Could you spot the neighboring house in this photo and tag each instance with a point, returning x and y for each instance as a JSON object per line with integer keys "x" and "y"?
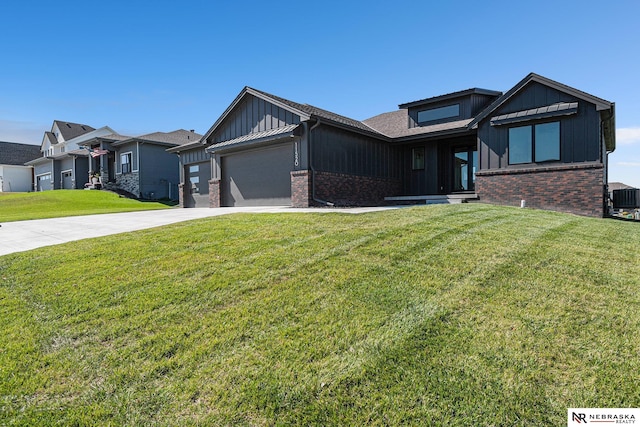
{"x": 542, "y": 142}
{"x": 140, "y": 165}
{"x": 64, "y": 163}
{"x": 14, "y": 175}
{"x": 72, "y": 153}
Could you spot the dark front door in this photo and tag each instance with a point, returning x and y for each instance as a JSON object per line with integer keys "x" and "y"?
{"x": 465, "y": 160}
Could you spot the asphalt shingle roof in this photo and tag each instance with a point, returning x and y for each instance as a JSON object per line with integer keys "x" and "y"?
{"x": 395, "y": 124}
{"x": 175, "y": 138}
{"x": 13, "y": 153}
{"x": 70, "y": 130}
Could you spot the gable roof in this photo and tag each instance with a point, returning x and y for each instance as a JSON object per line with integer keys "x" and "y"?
{"x": 600, "y": 103}
{"x": 13, "y": 153}
{"x": 606, "y": 108}
{"x": 49, "y": 136}
{"x": 70, "y": 130}
{"x": 305, "y": 111}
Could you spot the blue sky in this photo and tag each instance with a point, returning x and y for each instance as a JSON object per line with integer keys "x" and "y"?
{"x": 146, "y": 66}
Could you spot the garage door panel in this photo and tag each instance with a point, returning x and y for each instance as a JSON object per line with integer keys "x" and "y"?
{"x": 258, "y": 178}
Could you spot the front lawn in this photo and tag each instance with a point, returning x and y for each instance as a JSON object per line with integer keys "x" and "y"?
{"x": 61, "y": 203}
{"x": 439, "y": 315}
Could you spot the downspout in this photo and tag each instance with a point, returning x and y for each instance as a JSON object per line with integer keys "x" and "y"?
{"x": 313, "y": 169}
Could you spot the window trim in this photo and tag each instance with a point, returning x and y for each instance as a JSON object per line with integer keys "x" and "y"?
{"x": 532, "y": 148}
{"x": 130, "y": 162}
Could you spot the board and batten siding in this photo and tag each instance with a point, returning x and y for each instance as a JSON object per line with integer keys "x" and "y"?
{"x": 340, "y": 151}
{"x": 253, "y": 115}
{"x": 470, "y": 106}
{"x": 194, "y": 156}
{"x": 579, "y": 133}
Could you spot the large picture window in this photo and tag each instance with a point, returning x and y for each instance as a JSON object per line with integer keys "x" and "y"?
{"x": 534, "y": 143}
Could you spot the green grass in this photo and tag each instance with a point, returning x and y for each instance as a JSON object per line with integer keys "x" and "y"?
{"x": 61, "y": 203}
{"x": 440, "y": 315}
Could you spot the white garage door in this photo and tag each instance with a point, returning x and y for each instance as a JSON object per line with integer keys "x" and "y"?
{"x": 258, "y": 178}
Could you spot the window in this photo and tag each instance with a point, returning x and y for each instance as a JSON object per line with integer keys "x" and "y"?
{"x": 439, "y": 113}
{"x": 417, "y": 158}
{"x": 125, "y": 162}
{"x": 194, "y": 178}
{"x": 534, "y": 143}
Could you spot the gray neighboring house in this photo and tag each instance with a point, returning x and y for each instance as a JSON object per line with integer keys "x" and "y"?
{"x": 141, "y": 165}
{"x": 63, "y": 163}
{"x": 541, "y": 141}
{"x": 15, "y": 176}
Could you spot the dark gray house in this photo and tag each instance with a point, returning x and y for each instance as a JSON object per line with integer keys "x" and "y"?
{"x": 541, "y": 141}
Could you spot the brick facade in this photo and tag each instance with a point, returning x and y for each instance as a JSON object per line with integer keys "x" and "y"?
{"x": 577, "y": 188}
{"x": 214, "y": 193}
{"x": 355, "y": 190}
{"x": 301, "y": 189}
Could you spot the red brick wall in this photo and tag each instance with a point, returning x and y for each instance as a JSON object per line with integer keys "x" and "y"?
{"x": 301, "y": 189}
{"x": 577, "y": 189}
{"x": 355, "y": 190}
{"x": 214, "y": 193}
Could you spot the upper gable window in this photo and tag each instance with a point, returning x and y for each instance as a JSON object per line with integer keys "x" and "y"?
{"x": 439, "y": 113}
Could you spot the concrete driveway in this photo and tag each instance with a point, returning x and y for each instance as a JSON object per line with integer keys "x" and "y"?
{"x": 21, "y": 236}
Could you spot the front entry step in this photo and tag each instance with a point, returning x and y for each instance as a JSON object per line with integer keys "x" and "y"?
{"x": 435, "y": 200}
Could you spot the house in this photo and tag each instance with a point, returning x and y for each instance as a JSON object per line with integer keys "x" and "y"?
{"x": 140, "y": 166}
{"x": 14, "y": 175}
{"x": 540, "y": 142}
{"x": 72, "y": 153}
{"x": 63, "y": 163}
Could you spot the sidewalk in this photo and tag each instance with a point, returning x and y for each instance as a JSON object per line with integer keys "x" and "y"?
{"x": 21, "y": 236}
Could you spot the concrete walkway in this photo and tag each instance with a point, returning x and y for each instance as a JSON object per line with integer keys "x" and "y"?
{"x": 21, "y": 236}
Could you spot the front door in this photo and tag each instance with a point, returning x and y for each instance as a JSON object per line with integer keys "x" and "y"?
{"x": 465, "y": 160}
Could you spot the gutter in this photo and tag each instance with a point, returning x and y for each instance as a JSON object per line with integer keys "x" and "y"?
{"x": 313, "y": 169}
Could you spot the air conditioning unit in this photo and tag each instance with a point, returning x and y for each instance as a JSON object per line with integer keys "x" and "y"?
{"x": 628, "y": 198}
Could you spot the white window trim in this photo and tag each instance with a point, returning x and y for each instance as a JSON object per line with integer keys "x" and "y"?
{"x": 120, "y": 162}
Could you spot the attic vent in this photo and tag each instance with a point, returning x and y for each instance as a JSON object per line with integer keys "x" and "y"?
{"x": 68, "y": 125}
{"x": 82, "y": 127}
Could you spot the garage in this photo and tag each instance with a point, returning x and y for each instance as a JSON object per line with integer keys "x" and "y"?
{"x": 43, "y": 182}
{"x": 67, "y": 180}
{"x": 259, "y": 177}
